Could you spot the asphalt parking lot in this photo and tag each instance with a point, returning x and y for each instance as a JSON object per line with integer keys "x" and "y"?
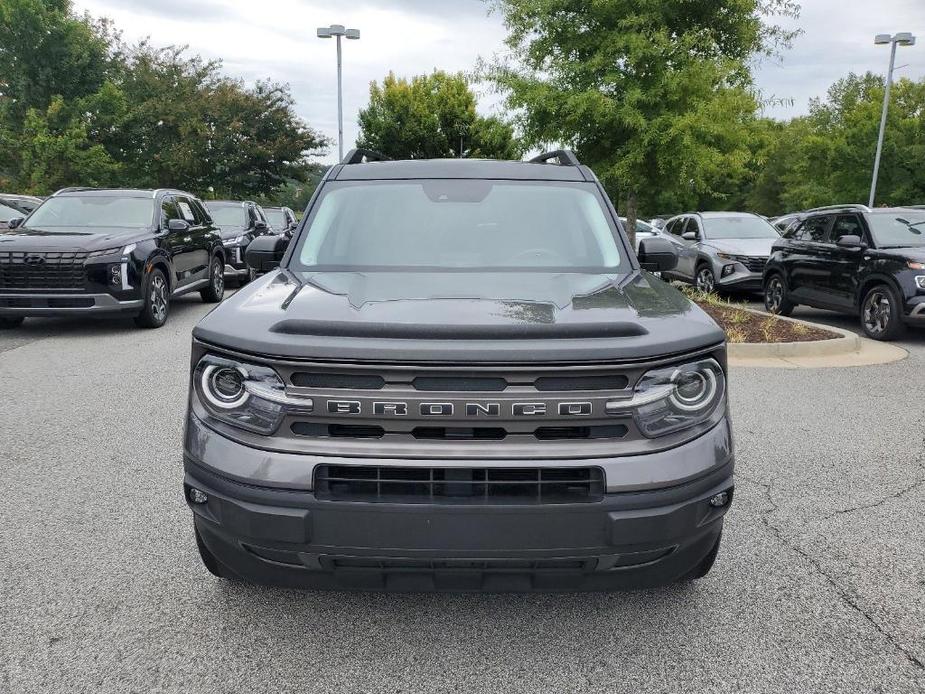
{"x": 819, "y": 586}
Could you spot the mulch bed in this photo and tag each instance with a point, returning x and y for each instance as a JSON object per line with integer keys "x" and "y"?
{"x": 745, "y": 326}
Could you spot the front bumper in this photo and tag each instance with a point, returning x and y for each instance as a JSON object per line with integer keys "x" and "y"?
{"x": 235, "y": 267}
{"x": 741, "y": 279}
{"x": 638, "y": 536}
{"x": 916, "y": 311}
{"x": 64, "y": 304}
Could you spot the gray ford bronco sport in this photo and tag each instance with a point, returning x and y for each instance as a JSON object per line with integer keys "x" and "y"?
{"x": 458, "y": 376}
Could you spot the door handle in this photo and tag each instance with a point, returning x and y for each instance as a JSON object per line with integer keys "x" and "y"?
{"x": 187, "y": 238}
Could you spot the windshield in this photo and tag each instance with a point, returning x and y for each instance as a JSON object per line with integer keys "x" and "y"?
{"x": 898, "y": 230}
{"x": 744, "y": 227}
{"x": 276, "y": 218}
{"x": 229, "y": 214}
{"x": 460, "y": 224}
{"x": 8, "y": 213}
{"x": 642, "y": 226}
{"x": 94, "y": 211}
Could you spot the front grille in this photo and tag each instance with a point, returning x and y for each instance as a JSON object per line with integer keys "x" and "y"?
{"x": 754, "y": 264}
{"x": 49, "y": 270}
{"x": 466, "y": 485}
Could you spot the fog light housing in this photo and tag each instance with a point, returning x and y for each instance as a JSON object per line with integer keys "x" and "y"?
{"x": 197, "y": 496}
{"x": 920, "y": 281}
{"x": 728, "y": 270}
{"x": 719, "y": 500}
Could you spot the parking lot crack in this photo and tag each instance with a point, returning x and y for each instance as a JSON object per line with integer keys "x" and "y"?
{"x": 919, "y": 466}
{"x": 846, "y": 598}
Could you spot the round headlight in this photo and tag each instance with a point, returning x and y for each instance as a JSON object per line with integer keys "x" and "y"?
{"x": 693, "y": 389}
{"x": 224, "y": 386}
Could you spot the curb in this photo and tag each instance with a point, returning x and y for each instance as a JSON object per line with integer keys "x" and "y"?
{"x": 847, "y": 342}
{"x": 849, "y": 349}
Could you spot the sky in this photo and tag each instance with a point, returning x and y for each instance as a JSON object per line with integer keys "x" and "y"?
{"x": 275, "y": 39}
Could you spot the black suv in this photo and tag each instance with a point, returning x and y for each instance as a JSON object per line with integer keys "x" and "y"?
{"x": 282, "y": 219}
{"x": 854, "y": 259}
{"x": 240, "y": 222}
{"x": 109, "y": 251}
{"x": 461, "y": 378}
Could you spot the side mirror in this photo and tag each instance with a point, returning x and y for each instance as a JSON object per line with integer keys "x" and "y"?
{"x": 265, "y": 252}
{"x": 15, "y": 222}
{"x": 657, "y": 255}
{"x": 690, "y": 236}
{"x": 178, "y": 225}
{"x": 850, "y": 241}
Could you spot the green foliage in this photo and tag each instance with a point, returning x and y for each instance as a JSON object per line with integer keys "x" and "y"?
{"x": 78, "y": 108}
{"x": 431, "y": 116}
{"x": 655, "y": 95}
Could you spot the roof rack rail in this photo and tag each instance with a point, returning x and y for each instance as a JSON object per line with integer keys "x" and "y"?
{"x": 361, "y": 156}
{"x": 563, "y": 157}
{"x": 72, "y": 189}
{"x": 846, "y": 206}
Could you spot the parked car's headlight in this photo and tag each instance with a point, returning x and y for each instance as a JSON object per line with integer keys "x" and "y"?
{"x": 236, "y": 241}
{"x": 244, "y": 395}
{"x": 677, "y": 397}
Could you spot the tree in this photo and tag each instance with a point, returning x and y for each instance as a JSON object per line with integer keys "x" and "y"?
{"x": 431, "y": 116}
{"x": 655, "y": 96}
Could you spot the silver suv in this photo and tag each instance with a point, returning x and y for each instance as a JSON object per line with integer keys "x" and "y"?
{"x": 720, "y": 250}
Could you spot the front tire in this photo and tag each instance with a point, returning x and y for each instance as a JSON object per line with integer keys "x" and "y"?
{"x": 881, "y": 314}
{"x": 216, "y": 289}
{"x": 705, "y": 280}
{"x": 775, "y": 296}
{"x": 157, "y": 301}
{"x": 11, "y": 322}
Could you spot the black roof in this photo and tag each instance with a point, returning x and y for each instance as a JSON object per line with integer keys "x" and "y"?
{"x": 460, "y": 168}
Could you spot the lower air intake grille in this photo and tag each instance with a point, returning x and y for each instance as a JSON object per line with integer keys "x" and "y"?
{"x": 563, "y": 485}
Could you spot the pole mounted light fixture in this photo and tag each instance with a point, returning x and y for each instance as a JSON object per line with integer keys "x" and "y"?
{"x": 903, "y": 38}
{"x": 338, "y": 31}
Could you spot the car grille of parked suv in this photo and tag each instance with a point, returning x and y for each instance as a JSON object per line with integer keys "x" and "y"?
{"x": 491, "y": 411}
{"x": 49, "y": 270}
{"x": 527, "y": 485}
{"x": 754, "y": 264}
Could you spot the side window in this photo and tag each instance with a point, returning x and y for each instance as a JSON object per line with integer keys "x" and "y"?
{"x": 186, "y": 210}
{"x": 846, "y": 225}
{"x": 169, "y": 210}
{"x": 202, "y": 215}
{"x": 814, "y": 229}
{"x": 692, "y": 225}
{"x": 675, "y": 226}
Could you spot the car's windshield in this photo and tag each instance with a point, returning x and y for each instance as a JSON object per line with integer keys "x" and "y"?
{"x": 8, "y": 213}
{"x": 738, "y": 227}
{"x": 229, "y": 214}
{"x": 276, "y": 218}
{"x": 460, "y": 224}
{"x": 642, "y": 226}
{"x": 94, "y": 211}
{"x": 897, "y": 230}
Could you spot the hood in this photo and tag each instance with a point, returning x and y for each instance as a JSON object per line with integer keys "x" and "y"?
{"x": 69, "y": 238}
{"x": 230, "y": 231}
{"x": 459, "y": 316}
{"x": 906, "y": 253}
{"x": 753, "y": 247}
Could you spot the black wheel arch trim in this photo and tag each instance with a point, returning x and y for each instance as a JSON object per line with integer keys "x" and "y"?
{"x": 871, "y": 281}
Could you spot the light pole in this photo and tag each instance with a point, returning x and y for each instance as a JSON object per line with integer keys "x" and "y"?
{"x": 338, "y": 30}
{"x": 903, "y": 38}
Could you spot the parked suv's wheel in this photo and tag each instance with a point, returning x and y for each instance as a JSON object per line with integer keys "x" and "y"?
{"x": 775, "y": 296}
{"x": 11, "y": 321}
{"x": 157, "y": 301}
{"x": 881, "y": 314}
{"x": 705, "y": 280}
{"x": 216, "y": 289}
